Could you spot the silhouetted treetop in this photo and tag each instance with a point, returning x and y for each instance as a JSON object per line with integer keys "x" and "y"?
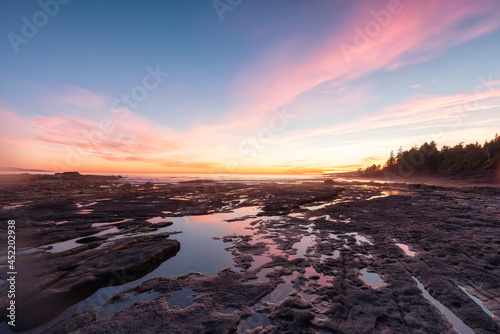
{"x": 429, "y": 160}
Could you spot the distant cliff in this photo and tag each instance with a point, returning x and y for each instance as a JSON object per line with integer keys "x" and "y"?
{"x": 57, "y": 177}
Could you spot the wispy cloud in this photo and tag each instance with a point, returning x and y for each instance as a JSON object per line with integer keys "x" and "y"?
{"x": 132, "y": 139}
{"x": 443, "y": 109}
{"x": 286, "y": 75}
{"x": 418, "y": 33}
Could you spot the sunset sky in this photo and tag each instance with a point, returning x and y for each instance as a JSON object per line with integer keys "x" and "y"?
{"x": 242, "y": 86}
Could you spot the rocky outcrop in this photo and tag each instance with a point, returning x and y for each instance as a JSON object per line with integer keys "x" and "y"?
{"x": 47, "y": 288}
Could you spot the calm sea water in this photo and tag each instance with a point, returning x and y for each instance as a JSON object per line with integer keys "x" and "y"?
{"x": 178, "y": 177}
{"x": 140, "y": 178}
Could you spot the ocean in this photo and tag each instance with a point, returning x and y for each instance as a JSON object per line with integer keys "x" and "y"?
{"x": 181, "y": 177}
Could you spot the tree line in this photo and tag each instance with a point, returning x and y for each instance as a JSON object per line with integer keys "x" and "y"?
{"x": 429, "y": 160}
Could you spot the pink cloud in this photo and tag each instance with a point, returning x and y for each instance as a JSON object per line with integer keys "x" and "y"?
{"x": 447, "y": 110}
{"x": 133, "y": 139}
{"x": 119, "y": 139}
{"x": 77, "y": 98}
{"x": 423, "y": 29}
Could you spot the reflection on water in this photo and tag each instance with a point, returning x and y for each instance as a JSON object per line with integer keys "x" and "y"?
{"x": 80, "y": 205}
{"x": 179, "y": 198}
{"x": 308, "y": 227}
{"x": 182, "y": 299}
{"x": 229, "y": 310}
{"x": 261, "y": 275}
{"x": 326, "y": 217}
{"x": 255, "y": 320}
{"x": 13, "y": 206}
{"x": 296, "y": 215}
{"x": 72, "y": 243}
{"x": 457, "y": 323}
{"x": 157, "y": 220}
{"x": 372, "y": 279}
{"x": 359, "y": 238}
{"x": 384, "y": 194}
{"x": 302, "y": 246}
{"x": 85, "y": 211}
{"x": 201, "y": 253}
{"x": 282, "y": 290}
{"x": 116, "y": 307}
{"x": 54, "y": 222}
{"x": 59, "y": 246}
{"x": 477, "y": 301}
{"x": 110, "y": 223}
{"x": 335, "y": 255}
{"x": 406, "y": 249}
{"x": 198, "y": 253}
{"x": 317, "y": 277}
{"x": 259, "y": 260}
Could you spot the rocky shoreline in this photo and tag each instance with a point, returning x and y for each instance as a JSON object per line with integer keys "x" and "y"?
{"x": 346, "y": 257}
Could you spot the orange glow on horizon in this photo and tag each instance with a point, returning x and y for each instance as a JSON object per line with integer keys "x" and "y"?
{"x": 62, "y": 130}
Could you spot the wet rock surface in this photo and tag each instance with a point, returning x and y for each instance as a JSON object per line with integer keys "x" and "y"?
{"x": 316, "y": 258}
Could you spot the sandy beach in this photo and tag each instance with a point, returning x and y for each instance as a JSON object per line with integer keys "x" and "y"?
{"x": 299, "y": 257}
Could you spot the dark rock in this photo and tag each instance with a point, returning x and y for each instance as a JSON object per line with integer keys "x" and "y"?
{"x": 72, "y": 324}
{"x": 123, "y": 262}
{"x": 89, "y": 240}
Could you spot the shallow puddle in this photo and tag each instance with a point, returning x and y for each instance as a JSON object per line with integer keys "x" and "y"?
{"x": 179, "y": 198}
{"x": 314, "y": 207}
{"x": 372, "y": 279}
{"x": 60, "y": 246}
{"x": 317, "y": 206}
{"x": 85, "y": 211}
{"x": 198, "y": 253}
{"x": 282, "y": 290}
{"x": 477, "y": 301}
{"x": 80, "y": 205}
{"x": 157, "y": 220}
{"x": 296, "y": 215}
{"x": 319, "y": 278}
{"x": 229, "y": 310}
{"x": 72, "y": 243}
{"x": 302, "y": 246}
{"x": 110, "y": 223}
{"x": 320, "y": 307}
{"x": 182, "y": 299}
{"x": 335, "y": 255}
{"x": 359, "y": 238}
{"x": 255, "y": 320}
{"x": 457, "y": 323}
{"x": 13, "y": 206}
{"x": 261, "y": 275}
{"x": 384, "y": 194}
{"x": 259, "y": 260}
{"x": 406, "y": 249}
{"x": 116, "y": 307}
{"x": 61, "y": 222}
{"x": 309, "y": 228}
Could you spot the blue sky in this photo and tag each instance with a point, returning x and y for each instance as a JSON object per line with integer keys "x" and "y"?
{"x": 216, "y": 110}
